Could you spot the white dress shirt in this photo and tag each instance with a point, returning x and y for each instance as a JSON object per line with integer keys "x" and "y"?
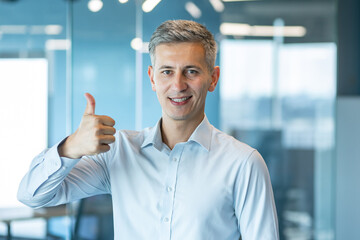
{"x": 210, "y": 187}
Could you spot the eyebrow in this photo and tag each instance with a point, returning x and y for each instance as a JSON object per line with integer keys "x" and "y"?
{"x": 192, "y": 66}
{"x": 165, "y": 67}
{"x": 171, "y": 67}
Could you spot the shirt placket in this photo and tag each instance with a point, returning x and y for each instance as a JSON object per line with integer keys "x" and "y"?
{"x": 169, "y": 192}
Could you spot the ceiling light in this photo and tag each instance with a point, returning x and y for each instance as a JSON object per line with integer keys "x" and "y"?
{"x": 95, "y": 5}
{"x": 193, "y": 10}
{"x": 217, "y": 5}
{"x": 123, "y": 1}
{"x": 239, "y": 29}
{"x": 47, "y": 29}
{"x": 53, "y": 29}
{"x": 149, "y": 5}
{"x": 136, "y": 43}
{"x": 286, "y": 31}
{"x": 57, "y": 44}
{"x": 13, "y": 29}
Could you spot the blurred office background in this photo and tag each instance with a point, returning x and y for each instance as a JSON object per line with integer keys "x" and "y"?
{"x": 289, "y": 86}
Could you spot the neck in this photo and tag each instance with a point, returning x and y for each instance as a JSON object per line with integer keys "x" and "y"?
{"x": 176, "y": 131}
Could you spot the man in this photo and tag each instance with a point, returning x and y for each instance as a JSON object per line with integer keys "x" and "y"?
{"x": 182, "y": 179}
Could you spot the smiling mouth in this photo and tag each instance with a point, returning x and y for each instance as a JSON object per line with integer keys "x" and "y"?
{"x": 180, "y": 100}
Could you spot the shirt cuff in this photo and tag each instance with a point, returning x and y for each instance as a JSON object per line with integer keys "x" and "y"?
{"x": 57, "y": 162}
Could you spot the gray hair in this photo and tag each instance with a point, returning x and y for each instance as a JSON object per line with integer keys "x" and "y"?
{"x": 177, "y": 31}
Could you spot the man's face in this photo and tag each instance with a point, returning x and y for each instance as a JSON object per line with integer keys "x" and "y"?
{"x": 181, "y": 79}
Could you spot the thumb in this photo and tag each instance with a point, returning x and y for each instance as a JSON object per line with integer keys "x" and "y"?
{"x": 90, "y": 104}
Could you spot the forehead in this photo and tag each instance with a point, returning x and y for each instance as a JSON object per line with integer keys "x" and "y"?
{"x": 178, "y": 52}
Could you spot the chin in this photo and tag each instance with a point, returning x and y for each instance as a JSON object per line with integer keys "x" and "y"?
{"x": 179, "y": 118}
{"x": 184, "y": 117}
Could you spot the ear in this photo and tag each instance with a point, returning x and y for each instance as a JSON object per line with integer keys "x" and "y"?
{"x": 151, "y": 76}
{"x": 214, "y": 78}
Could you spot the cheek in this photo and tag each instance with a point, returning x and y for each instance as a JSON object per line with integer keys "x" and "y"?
{"x": 161, "y": 87}
{"x": 160, "y": 91}
{"x": 203, "y": 89}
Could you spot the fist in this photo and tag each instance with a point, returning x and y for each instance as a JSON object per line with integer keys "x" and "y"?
{"x": 93, "y": 136}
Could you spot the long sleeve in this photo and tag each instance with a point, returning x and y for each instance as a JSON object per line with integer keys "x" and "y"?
{"x": 254, "y": 201}
{"x": 52, "y": 180}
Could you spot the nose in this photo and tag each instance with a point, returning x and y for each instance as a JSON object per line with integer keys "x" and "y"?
{"x": 179, "y": 82}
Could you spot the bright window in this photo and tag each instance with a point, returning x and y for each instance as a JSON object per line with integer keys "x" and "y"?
{"x": 23, "y": 121}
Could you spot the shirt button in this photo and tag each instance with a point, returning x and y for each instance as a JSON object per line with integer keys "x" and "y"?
{"x": 175, "y": 159}
{"x": 169, "y": 189}
{"x": 166, "y": 220}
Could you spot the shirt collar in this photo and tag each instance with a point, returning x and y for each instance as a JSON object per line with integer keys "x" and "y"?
{"x": 201, "y": 135}
{"x": 154, "y": 137}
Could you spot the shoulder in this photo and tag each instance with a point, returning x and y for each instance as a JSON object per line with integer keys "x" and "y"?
{"x": 126, "y": 142}
{"x": 229, "y": 149}
{"x": 228, "y": 145}
{"x": 131, "y": 136}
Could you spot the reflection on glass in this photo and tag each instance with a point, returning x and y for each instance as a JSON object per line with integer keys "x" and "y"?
{"x": 290, "y": 120}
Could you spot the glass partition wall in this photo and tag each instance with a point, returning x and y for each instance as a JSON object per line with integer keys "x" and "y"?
{"x": 33, "y": 57}
{"x": 276, "y": 93}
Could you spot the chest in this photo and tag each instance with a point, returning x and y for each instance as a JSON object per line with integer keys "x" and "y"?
{"x": 182, "y": 183}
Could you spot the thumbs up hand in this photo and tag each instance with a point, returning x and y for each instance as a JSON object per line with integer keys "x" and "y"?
{"x": 93, "y": 136}
{"x": 90, "y": 104}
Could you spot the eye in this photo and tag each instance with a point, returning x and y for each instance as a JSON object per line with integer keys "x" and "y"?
{"x": 192, "y": 72}
{"x": 166, "y": 72}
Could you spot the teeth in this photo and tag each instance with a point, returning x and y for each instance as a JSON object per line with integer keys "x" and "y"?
{"x": 179, "y": 99}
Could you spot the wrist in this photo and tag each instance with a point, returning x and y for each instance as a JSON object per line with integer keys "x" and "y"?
{"x": 65, "y": 150}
